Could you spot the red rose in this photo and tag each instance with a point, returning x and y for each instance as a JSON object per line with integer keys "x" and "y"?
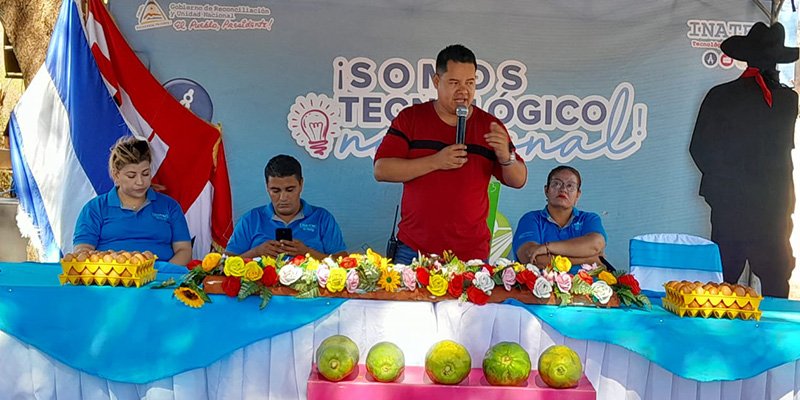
{"x": 270, "y": 277}
{"x": 194, "y": 263}
{"x": 631, "y": 282}
{"x": 231, "y": 285}
{"x": 469, "y": 276}
{"x": 477, "y": 296}
{"x": 423, "y": 277}
{"x": 298, "y": 259}
{"x": 348, "y": 262}
{"x": 585, "y": 277}
{"x": 527, "y": 277}
{"x": 489, "y": 268}
{"x": 456, "y": 285}
{"x": 247, "y": 260}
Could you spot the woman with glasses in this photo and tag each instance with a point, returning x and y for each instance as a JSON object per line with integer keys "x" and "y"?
{"x": 560, "y": 228}
{"x": 132, "y": 216}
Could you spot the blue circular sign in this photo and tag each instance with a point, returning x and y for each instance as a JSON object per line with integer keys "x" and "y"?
{"x": 192, "y": 96}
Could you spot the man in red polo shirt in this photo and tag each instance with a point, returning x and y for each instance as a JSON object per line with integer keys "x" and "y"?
{"x": 445, "y": 202}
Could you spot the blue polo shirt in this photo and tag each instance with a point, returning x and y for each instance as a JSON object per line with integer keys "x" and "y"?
{"x": 314, "y": 226}
{"x": 104, "y": 224}
{"x": 537, "y": 226}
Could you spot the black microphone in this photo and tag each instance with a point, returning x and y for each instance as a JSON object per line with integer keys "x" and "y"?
{"x": 461, "y": 126}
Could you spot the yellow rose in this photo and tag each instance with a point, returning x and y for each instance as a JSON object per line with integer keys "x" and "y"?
{"x": 234, "y": 266}
{"x": 336, "y": 280}
{"x": 518, "y": 267}
{"x": 437, "y": 285}
{"x": 311, "y": 263}
{"x": 253, "y": 271}
{"x": 210, "y": 261}
{"x": 268, "y": 261}
{"x": 562, "y": 264}
{"x": 607, "y": 277}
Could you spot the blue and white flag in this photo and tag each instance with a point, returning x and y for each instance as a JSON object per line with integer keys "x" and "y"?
{"x": 61, "y": 132}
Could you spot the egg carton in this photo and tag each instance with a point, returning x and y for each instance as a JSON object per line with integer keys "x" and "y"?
{"x": 107, "y": 273}
{"x": 715, "y": 300}
{"x": 713, "y": 312}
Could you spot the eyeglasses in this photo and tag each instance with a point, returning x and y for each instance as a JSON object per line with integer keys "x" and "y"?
{"x": 569, "y": 187}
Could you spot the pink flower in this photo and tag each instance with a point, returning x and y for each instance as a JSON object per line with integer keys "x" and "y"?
{"x": 564, "y": 282}
{"x": 322, "y": 274}
{"x": 509, "y": 278}
{"x": 409, "y": 279}
{"x": 352, "y": 281}
{"x": 589, "y": 267}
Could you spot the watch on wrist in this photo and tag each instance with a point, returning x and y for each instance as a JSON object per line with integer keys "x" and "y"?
{"x": 512, "y": 158}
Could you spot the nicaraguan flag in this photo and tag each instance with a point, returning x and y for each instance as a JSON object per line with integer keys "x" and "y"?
{"x": 61, "y": 132}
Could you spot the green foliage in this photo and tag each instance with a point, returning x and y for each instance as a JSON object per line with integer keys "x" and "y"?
{"x": 200, "y": 292}
{"x": 368, "y": 276}
{"x": 266, "y": 296}
{"x": 166, "y": 284}
{"x": 580, "y": 287}
{"x": 564, "y": 298}
{"x": 308, "y": 294}
{"x": 248, "y": 288}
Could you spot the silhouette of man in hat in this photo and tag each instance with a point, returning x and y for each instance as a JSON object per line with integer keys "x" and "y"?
{"x": 742, "y": 144}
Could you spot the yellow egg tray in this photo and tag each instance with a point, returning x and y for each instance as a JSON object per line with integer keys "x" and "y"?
{"x": 715, "y": 300}
{"x": 107, "y": 273}
{"x": 706, "y": 312}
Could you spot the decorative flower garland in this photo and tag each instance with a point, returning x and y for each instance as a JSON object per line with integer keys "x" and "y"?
{"x": 471, "y": 281}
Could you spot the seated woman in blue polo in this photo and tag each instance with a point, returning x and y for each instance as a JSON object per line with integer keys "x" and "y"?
{"x": 313, "y": 229}
{"x": 560, "y": 228}
{"x": 132, "y": 216}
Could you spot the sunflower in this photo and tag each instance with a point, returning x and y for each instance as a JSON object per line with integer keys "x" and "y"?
{"x": 389, "y": 280}
{"x": 189, "y": 297}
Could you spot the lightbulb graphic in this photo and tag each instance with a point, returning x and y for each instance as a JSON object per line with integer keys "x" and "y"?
{"x": 314, "y": 122}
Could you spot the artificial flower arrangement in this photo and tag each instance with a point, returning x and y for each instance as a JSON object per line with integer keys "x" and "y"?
{"x": 427, "y": 278}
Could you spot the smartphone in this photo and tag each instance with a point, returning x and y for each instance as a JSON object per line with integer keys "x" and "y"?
{"x": 283, "y": 234}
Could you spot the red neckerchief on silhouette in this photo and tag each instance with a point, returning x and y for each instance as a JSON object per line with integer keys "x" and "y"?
{"x": 753, "y": 72}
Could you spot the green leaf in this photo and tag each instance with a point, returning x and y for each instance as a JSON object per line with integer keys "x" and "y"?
{"x": 196, "y": 288}
{"x": 564, "y": 298}
{"x": 309, "y": 294}
{"x": 266, "y": 296}
{"x": 248, "y": 288}
{"x": 166, "y": 284}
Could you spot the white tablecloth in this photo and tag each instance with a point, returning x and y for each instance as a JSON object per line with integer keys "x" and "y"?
{"x": 277, "y": 368}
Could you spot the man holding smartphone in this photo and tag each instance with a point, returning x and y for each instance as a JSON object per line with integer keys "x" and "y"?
{"x": 288, "y": 224}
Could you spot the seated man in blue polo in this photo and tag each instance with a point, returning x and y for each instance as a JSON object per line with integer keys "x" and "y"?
{"x": 560, "y": 228}
{"x": 132, "y": 216}
{"x": 314, "y": 230}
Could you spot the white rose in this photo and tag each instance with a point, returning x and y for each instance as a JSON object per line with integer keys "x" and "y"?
{"x": 483, "y": 281}
{"x": 322, "y": 274}
{"x": 542, "y": 288}
{"x": 534, "y": 269}
{"x": 503, "y": 262}
{"x": 602, "y": 291}
{"x": 474, "y": 262}
{"x": 329, "y": 262}
{"x": 289, "y": 274}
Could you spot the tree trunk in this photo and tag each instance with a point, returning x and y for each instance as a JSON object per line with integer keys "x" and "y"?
{"x": 28, "y": 25}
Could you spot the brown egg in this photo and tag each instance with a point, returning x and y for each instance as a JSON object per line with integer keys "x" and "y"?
{"x": 724, "y": 289}
{"x": 752, "y": 292}
{"x": 739, "y": 291}
{"x": 709, "y": 285}
{"x": 734, "y": 306}
{"x": 126, "y": 254}
{"x": 686, "y": 289}
{"x": 713, "y": 290}
{"x": 107, "y": 258}
{"x": 94, "y": 258}
{"x": 148, "y": 254}
{"x": 68, "y": 257}
{"x": 121, "y": 259}
{"x": 125, "y": 273}
{"x": 138, "y": 259}
{"x": 699, "y": 290}
{"x": 748, "y": 307}
{"x": 694, "y": 304}
{"x": 82, "y": 256}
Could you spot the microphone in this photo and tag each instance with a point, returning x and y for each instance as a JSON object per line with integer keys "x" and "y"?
{"x": 461, "y": 126}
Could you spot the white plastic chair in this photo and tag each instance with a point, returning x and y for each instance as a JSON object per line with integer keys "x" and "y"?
{"x": 658, "y": 258}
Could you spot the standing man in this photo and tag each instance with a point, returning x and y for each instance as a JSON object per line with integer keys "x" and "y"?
{"x": 560, "y": 228}
{"x": 742, "y": 143}
{"x": 445, "y": 202}
{"x": 314, "y": 230}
